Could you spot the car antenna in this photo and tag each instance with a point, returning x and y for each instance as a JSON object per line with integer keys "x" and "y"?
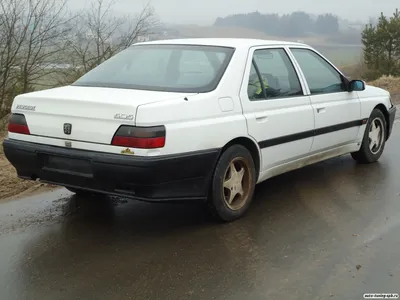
{"x": 186, "y": 98}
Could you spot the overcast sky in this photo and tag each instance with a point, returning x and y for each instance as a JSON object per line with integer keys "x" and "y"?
{"x": 204, "y": 12}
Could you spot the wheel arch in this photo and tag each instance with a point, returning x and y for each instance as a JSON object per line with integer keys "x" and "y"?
{"x": 385, "y": 112}
{"x": 250, "y": 145}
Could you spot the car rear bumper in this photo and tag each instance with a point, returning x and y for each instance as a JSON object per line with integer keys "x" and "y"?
{"x": 160, "y": 178}
{"x": 392, "y": 116}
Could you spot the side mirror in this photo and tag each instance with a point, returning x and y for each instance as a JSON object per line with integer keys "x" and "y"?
{"x": 356, "y": 85}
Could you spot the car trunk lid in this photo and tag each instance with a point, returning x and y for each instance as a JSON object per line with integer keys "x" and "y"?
{"x": 88, "y": 114}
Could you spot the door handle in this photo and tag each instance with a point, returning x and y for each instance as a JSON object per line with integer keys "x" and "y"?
{"x": 321, "y": 110}
{"x": 261, "y": 118}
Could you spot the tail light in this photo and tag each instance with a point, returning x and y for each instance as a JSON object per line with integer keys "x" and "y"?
{"x": 17, "y": 124}
{"x": 139, "y": 137}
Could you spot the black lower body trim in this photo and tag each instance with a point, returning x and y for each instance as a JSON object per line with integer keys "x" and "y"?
{"x": 310, "y": 133}
{"x": 162, "y": 178}
{"x": 392, "y": 116}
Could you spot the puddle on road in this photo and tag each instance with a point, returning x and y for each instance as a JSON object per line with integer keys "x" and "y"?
{"x": 31, "y": 211}
{"x": 43, "y": 209}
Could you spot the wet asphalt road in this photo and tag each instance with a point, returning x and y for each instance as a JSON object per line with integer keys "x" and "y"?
{"x": 327, "y": 231}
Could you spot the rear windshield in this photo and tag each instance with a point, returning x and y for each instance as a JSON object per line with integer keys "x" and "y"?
{"x": 170, "y": 68}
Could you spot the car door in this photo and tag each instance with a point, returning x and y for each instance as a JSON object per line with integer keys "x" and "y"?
{"x": 337, "y": 112}
{"x": 278, "y": 113}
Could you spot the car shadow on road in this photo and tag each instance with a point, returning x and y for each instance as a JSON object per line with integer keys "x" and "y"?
{"x": 327, "y": 180}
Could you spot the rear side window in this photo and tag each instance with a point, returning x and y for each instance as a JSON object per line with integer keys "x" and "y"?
{"x": 171, "y": 68}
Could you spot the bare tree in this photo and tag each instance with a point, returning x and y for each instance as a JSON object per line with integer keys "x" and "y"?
{"x": 32, "y": 40}
{"x": 45, "y": 44}
{"x": 100, "y": 34}
{"x": 11, "y": 38}
{"x": 37, "y": 36}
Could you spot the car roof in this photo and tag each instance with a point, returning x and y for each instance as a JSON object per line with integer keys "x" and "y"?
{"x": 224, "y": 42}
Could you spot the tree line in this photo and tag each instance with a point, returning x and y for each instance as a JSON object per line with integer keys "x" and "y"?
{"x": 296, "y": 24}
{"x": 43, "y": 43}
{"x": 381, "y": 54}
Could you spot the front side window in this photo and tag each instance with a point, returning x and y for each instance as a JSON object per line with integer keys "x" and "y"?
{"x": 321, "y": 77}
{"x": 272, "y": 75}
{"x": 170, "y": 68}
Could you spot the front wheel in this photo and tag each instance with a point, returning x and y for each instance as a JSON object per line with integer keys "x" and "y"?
{"x": 233, "y": 184}
{"x": 374, "y": 139}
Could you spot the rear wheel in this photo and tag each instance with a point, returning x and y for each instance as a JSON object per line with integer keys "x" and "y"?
{"x": 233, "y": 184}
{"x": 374, "y": 139}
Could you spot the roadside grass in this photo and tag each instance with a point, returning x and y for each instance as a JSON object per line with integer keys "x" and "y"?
{"x": 391, "y": 84}
{"x": 2, "y": 137}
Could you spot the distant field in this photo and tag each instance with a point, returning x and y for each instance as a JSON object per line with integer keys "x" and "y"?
{"x": 338, "y": 54}
{"x": 50, "y": 80}
{"x": 341, "y": 55}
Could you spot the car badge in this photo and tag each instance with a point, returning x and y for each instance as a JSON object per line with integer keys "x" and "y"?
{"x": 67, "y": 128}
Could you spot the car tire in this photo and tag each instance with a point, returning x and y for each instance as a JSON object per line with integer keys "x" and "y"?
{"x": 233, "y": 184}
{"x": 374, "y": 139}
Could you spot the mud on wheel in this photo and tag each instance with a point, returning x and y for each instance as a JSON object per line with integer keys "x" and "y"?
{"x": 233, "y": 184}
{"x": 374, "y": 139}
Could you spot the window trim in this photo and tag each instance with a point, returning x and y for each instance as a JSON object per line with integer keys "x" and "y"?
{"x": 253, "y": 63}
{"x": 295, "y": 69}
{"x": 343, "y": 78}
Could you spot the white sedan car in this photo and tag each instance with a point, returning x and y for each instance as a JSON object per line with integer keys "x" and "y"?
{"x": 196, "y": 119}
